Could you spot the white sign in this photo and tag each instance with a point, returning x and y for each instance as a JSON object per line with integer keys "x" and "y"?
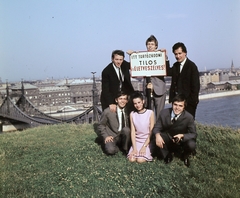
{"x": 148, "y": 64}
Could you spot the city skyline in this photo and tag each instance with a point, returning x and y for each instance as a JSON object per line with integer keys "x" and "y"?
{"x": 57, "y": 39}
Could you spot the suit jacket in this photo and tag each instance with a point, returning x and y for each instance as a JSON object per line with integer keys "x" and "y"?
{"x": 159, "y": 86}
{"x": 109, "y": 123}
{"x": 111, "y": 82}
{"x": 183, "y": 125}
{"x": 187, "y": 82}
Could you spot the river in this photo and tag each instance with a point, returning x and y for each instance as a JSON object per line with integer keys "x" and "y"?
{"x": 221, "y": 111}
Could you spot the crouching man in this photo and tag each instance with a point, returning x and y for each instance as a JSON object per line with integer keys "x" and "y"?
{"x": 175, "y": 131}
{"x": 114, "y": 127}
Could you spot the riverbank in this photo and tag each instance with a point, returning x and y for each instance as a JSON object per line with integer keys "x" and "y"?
{"x": 219, "y": 94}
{"x": 214, "y": 95}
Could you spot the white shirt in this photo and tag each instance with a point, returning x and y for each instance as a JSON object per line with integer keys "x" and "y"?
{"x": 119, "y": 113}
{"x": 117, "y": 71}
{"x": 174, "y": 116}
{"x": 182, "y": 64}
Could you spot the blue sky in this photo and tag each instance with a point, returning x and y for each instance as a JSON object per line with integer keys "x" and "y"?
{"x": 42, "y": 39}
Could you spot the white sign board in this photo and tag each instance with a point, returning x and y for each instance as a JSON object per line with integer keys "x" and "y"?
{"x": 148, "y": 64}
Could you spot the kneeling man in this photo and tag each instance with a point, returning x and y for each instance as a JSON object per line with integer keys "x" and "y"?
{"x": 175, "y": 131}
{"x": 114, "y": 127}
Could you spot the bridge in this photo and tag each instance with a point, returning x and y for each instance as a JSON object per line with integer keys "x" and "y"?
{"x": 24, "y": 113}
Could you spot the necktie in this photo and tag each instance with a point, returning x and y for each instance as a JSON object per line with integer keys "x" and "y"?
{"x": 179, "y": 68}
{"x": 174, "y": 119}
{"x": 123, "y": 120}
{"x": 120, "y": 79}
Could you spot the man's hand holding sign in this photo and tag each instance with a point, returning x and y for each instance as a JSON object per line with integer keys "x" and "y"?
{"x": 146, "y": 64}
{"x": 152, "y": 65}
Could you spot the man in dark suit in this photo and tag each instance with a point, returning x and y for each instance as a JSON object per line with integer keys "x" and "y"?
{"x": 115, "y": 78}
{"x": 185, "y": 78}
{"x": 175, "y": 131}
{"x": 114, "y": 126}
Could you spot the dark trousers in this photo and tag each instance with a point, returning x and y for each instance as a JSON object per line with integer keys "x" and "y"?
{"x": 191, "y": 109}
{"x": 120, "y": 142}
{"x": 184, "y": 148}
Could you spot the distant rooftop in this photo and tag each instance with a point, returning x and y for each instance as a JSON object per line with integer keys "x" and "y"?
{"x": 74, "y": 82}
{"x": 25, "y": 85}
{"x": 233, "y": 82}
{"x": 48, "y": 89}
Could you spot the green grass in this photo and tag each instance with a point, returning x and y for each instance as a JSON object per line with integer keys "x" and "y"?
{"x": 64, "y": 161}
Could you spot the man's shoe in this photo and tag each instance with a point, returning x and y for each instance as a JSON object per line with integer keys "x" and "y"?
{"x": 194, "y": 152}
{"x": 168, "y": 159}
{"x": 186, "y": 162}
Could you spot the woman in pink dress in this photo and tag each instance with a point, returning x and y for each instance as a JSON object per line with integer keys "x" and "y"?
{"x": 142, "y": 122}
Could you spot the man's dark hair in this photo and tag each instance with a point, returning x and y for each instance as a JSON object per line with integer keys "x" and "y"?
{"x": 177, "y": 45}
{"x": 152, "y": 38}
{"x": 121, "y": 93}
{"x": 118, "y": 52}
{"x": 180, "y": 98}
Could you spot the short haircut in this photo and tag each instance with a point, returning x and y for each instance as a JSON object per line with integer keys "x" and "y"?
{"x": 152, "y": 38}
{"x": 121, "y": 93}
{"x": 180, "y": 98}
{"x": 118, "y": 52}
{"x": 178, "y": 45}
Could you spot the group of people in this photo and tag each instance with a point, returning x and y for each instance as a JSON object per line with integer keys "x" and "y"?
{"x": 139, "y": 132}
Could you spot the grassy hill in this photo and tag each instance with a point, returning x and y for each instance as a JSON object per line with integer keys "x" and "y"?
{"x": 64, "y": 161}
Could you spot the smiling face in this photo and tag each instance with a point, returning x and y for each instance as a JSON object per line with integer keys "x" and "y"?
{"x": 117, "y": 60}
{"x": 180, "y": 55}
{"x": 178, "y": 107}
{"x": 138, "y": 103}
{"x": 151, "y": 46}
{"x": 121, "y": 101}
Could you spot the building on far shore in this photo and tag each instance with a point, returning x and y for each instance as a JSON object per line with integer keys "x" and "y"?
{"x": 218, "y": 76}
{"x": 58, "y": 93}
{"x": 224, "y": 85}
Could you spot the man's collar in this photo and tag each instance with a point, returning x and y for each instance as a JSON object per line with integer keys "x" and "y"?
{"x": 174, "y": 115}
{"x": 120, "y": 109}
{"x": 182, "y": 63}
{"x": 115, "y": 66}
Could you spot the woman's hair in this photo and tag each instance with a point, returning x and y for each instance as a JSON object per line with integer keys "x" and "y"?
{"x": 136, "y": 94}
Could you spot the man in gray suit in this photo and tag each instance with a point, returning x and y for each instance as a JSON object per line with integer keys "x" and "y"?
{"x": 175, "y": 131}
{"x": 154, "y": 84}
{"x": 114, "y": 127}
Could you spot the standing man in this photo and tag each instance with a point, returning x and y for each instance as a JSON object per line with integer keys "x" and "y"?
{"x": 175, "y": 131}
{"x": 155, "y": 84}
{"x": 114, "y": 126}
{"x": 185, "y": 78}
{"x": 115, "y": 78}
